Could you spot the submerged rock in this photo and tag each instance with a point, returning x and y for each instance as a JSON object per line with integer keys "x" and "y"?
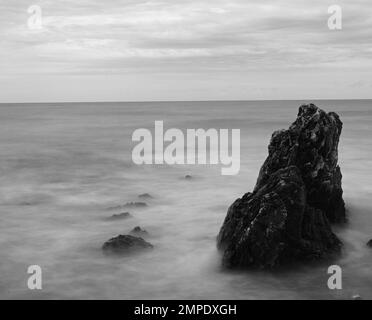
{"x": 125, "y": 244}
{"x": 298, "y": 193}
{"x": 135, "y": 204}
{"x": 129, "y": 205}
{"x": 138, "y": 230}
{"x": 25, "y": 203}
{"x": 145, "y": 196}
{"x": 188, "y": 177}
{"x": 369, "y": 243}
{"x": 118, "y": 216}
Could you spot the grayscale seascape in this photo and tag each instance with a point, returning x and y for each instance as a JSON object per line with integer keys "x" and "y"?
{"x": 63, "y": 165}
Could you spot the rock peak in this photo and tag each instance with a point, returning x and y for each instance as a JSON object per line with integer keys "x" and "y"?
{"x": 311, "y": 144}
{"x": 297, "y": 195}
{"x": 308, "y": 109}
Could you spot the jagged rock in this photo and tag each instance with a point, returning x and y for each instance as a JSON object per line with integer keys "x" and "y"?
{"x": 274, "y": 226}
{"x": 139, "y": 230}
{"x": 311, "y": 144}
{"x": 118, "y": 216}
{"x": 125, "y": 244}
{"x": 145, "y": 196}
{"x": 369, "y": 243}
{"x": 298, "y": 191}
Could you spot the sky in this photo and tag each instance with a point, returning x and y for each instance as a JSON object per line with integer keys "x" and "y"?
{"x": 134, "y": 50}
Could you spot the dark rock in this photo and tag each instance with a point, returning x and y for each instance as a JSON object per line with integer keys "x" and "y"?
{"x": 129, "y": 205}
{"x": 311, "y": 144}
{"x": 298, "y": 191}
{"x": 188, "y": 177}
{"x": 125, "y": 244}
{"x": 135, "y": 204}
{"x": 118, "y": 216}
{"x": 275, "y": 226}
{"x": 139, "y": 230}
{"x": 145, "y": 196}
{"x": 369, "y": 243}
{"x": 25, "y": 204}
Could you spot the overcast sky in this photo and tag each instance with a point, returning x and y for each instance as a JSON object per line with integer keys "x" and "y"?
{"x": 134, "y": 50}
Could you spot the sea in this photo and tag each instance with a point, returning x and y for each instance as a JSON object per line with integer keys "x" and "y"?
{"x": 63, "y": 165}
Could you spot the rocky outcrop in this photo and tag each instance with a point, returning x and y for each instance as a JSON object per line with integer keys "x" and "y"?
{"x": 125, "y": 244}
{"x": 311, "y": 144}
{"x": 298, "y": 193}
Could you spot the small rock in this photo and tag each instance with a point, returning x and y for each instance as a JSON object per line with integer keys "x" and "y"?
{"x": 369, "y": 243}
{"x": 125, "y": 244}
{"x": 138, "y": 230}
{"x": 188, "y": 177}
{"x": 122, "y": 215}
{"x": 357, "y": 297}
{"x": 135, "y": 204}
{"x": 25, "y": 204}
{"x": 145, "y": 196}
{"x": 129, "y": 205}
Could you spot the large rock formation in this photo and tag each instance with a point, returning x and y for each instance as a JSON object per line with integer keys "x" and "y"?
{"x": 298, "y": 193}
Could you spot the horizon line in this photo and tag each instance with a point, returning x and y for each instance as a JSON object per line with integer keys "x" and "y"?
{"x": 169, "y": 101}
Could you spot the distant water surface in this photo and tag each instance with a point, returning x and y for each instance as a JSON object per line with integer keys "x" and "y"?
{"x": 63, "y": 165}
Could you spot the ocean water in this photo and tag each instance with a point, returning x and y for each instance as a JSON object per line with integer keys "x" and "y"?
{"x": 63, "y": 165}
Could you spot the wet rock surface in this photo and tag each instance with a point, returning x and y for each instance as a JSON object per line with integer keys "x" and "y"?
{"x": 297, "y": 195}
{"x": 125, "y": 244}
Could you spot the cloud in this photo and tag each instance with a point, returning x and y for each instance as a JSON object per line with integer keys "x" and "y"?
{"x": 171, "y": 29}
{"x": 169, "y": 36}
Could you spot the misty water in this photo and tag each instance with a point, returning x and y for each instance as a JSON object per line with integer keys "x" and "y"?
{"x": 63, "y": 165}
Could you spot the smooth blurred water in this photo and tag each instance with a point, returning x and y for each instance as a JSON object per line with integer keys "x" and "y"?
{"x": 62, "y": 165}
